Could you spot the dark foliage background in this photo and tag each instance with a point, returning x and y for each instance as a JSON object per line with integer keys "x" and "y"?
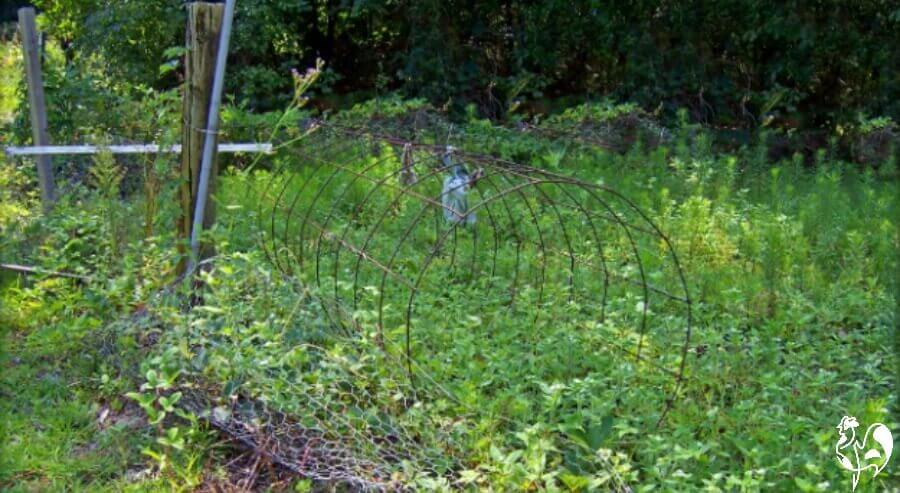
{"x": 797, "y": 63}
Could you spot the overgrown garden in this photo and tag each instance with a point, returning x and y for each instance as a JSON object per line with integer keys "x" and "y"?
{"x": 636, "y": 304}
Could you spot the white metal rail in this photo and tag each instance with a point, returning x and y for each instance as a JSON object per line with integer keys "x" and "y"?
{"x": 128, "y": 149}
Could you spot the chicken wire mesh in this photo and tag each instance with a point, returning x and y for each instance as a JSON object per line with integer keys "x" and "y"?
{"x": 336, "y": 431}
{"x": 460, "y": 287}
{"x": 457, "y": 285}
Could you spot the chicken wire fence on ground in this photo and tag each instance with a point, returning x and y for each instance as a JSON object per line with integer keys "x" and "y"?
{"x": 448, "y": 264}
{"x": 439, "y": 266}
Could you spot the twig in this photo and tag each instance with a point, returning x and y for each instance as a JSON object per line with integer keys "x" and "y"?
{"x": 24, "y": 269}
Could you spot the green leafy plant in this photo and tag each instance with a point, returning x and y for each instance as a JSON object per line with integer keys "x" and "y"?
{"x": 791, "y": 288}
{"x": 107, "y": 177}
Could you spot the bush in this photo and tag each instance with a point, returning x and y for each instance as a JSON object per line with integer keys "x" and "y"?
{"x": 800, "y": 64}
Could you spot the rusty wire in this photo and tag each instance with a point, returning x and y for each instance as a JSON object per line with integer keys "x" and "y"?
{"x": 339, "y": 434}
{"x": 356, "y": 214}
{"x": 504, "y": 182}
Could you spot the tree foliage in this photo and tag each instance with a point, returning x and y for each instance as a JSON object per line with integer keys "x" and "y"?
{"x": 798, "y": 63}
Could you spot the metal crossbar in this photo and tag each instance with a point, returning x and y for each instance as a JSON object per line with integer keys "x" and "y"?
{"x": 129, "y": 149}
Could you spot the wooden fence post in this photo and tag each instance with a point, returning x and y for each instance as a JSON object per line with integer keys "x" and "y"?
{"x": 203, "y": 27}
{"x": 36, "y": 102}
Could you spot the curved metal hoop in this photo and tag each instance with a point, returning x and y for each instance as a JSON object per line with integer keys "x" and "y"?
{"x": 547, "y": 251}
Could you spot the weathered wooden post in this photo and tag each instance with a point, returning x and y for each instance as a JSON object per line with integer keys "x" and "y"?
{"x": 203, "y": 29}
{"x": 36, "y": 103}
{"x": 210, "y": 143}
